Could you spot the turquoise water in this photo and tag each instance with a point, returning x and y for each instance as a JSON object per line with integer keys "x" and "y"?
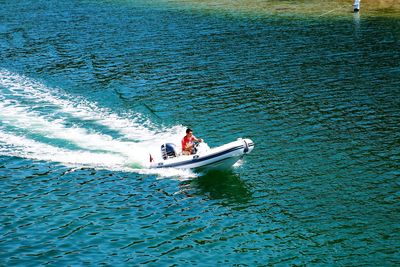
{"x": 89, "y": 88}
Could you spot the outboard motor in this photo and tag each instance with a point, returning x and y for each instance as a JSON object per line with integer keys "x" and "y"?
{"x": 168, "y": 150}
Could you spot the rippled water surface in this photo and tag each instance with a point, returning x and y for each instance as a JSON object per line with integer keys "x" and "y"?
{"x": 88, "y": 88}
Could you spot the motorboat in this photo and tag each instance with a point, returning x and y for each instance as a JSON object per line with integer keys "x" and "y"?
{"x": 203, "y": 157}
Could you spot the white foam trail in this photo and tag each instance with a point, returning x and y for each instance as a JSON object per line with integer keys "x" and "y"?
{"x": 18, "y": 146}
{"x": 21, "y": 110}
{"x": 21, "y": 118}
{"x": 23, "y": 87}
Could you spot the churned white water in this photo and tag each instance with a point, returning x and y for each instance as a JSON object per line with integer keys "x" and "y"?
{"x": 40, "y": 122}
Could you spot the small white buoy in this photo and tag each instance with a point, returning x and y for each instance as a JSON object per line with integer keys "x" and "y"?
{"x": 356, "y": 5}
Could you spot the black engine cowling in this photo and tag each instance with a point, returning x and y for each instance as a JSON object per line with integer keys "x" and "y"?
{"x": 168, "y": 150}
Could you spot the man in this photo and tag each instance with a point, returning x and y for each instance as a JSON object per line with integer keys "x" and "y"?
{"x": 188, "y": 142}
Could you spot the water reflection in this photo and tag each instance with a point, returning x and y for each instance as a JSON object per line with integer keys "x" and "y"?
{"x": 224, "y": 185}
{"x": 356, "y": 18}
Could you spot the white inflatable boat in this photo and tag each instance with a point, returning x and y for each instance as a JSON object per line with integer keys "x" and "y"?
{"x": 203, "y": 157}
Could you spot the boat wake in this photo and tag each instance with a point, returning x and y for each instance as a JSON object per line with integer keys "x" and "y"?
{"x": 45, "y": 123}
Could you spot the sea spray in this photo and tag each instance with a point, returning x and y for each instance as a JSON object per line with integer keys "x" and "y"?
{"x": 44, "y": 123}
{"x": 19, "y": 146}
{"x": 133, "y": 126}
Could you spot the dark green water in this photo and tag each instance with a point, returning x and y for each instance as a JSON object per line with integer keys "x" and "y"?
{"x": 87, "y": 87}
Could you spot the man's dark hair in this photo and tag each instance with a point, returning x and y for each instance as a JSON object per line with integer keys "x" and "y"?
{"x": 188, "y": 130}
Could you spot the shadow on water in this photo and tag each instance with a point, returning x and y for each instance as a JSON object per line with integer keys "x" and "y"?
{"x": 223, "y": 185}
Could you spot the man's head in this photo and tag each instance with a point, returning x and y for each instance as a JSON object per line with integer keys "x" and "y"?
{"x": 189, "y": 131}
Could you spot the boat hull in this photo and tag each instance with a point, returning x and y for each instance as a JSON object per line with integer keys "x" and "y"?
{"x": 222, "y": 157}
